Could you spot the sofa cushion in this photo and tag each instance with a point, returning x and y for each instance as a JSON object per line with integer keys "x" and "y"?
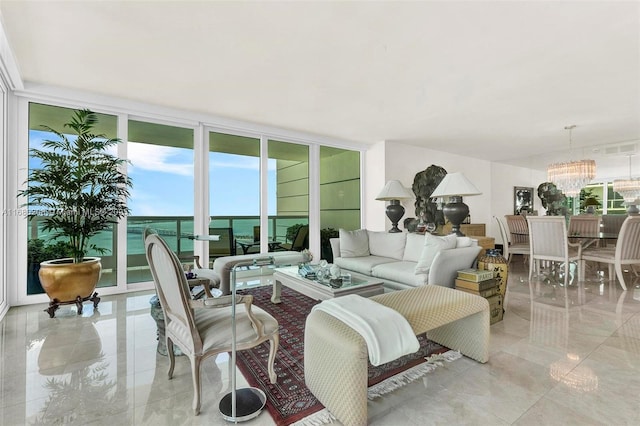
{"x": 387, "y": 244}
{"x": 403, "y": 272}
{"x": 363, "y": 264}
{"x": 463, "y": 242}
{"x": 413, "y": 247}
{"x": 354, "y": 243}
{"x": 432, "y": 245}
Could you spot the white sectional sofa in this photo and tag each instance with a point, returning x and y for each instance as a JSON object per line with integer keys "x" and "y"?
{"x": 404, "y": 260}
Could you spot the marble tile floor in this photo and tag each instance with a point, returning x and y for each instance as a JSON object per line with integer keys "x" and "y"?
{"x": 561, "y": 356}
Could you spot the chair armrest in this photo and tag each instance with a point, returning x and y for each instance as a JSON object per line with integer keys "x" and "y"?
{"x": 578, "y": 246}
{"x": 226, "y": 301}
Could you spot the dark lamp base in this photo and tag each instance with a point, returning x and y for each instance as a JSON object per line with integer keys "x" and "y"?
{"x": 395, "y": 211}
{"x": 456, "y": 212}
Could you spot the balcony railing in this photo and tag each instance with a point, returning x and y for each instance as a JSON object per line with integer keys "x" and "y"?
{"x": 175, "y": 230}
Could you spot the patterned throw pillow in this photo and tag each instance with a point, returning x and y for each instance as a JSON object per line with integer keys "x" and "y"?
{"x": 354, "y": 243}
{"x": 432, "y": 245}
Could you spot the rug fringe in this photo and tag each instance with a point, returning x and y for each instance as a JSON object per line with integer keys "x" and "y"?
{"x": 414, "y": 373}
{"x": 319, "y": 418}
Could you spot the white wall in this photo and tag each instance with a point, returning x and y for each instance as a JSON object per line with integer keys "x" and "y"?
{"x": 403, "y": 162}
{"x": 503, "y": 179}
{"x": 373, "y": 215}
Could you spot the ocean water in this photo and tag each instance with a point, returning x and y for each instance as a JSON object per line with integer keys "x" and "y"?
{"x": 175, "y": 231}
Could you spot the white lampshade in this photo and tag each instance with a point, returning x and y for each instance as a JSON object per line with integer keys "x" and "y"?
{"x": 393, "y": 190}
{"x": 455, "y": 184}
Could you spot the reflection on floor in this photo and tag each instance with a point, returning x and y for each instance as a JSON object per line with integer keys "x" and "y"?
{"x": 560, "y": 356}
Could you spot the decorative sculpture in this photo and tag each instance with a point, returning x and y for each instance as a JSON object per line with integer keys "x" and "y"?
{"x": 552, "y": 199}
{"x": 424, "y": 184}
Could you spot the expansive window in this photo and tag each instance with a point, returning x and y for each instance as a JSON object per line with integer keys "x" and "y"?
{"x": 41, "y": 245}
{"x": 339, "y": 193}
{"x": 239, "y": 170}
{"x": 161, "y": 169}
{"x": 234, "y": 194}
{"x": 610, "y": 201}
{"x": 290, "y": 202}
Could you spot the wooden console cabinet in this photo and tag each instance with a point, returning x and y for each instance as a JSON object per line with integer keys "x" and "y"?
{"x": 468, "y": 229}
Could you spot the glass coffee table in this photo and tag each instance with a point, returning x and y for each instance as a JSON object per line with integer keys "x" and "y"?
{"x": 288, "y": 276}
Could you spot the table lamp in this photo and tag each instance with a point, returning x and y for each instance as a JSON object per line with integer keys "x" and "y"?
{"x": 393, "y": 192}
{"x": 454, "y": 186}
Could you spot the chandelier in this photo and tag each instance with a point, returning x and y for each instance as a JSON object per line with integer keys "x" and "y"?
{"x": 570, "y": 177}
{"x": 628, "y": 188}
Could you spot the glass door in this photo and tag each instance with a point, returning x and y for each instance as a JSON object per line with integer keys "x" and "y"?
{"x": 40, "y": 244}
{"x": 234, "y": 194}
{"x": 288, "y": 188}
{"x": 162, "y": 164}
{"x": 339, "y": 194}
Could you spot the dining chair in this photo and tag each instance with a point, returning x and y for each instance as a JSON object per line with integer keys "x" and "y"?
{"x": 626, "y": 251}
{"x": 509, "y": 248}
{"x": 518, "y": 228}
{"x": 203, "y": 328}
{"x": 583, "y": 225}
{"x": 548, "y": 241}
{"x": 611, "y": 224}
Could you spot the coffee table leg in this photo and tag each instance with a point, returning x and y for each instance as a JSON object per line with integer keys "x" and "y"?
{"x": 275, "y": 296}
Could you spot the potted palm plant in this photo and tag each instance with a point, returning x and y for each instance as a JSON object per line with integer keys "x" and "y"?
{"x": 79, "y": 190}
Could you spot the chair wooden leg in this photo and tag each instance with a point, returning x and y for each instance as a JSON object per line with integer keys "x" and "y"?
{"x": 611, "y": 277}
{"x": 531, "y": 267}
{"x": 195, "y": 373}
{"x": 172, "y": 356}
{"x": 620, "y": 276}
{"x": 273, "y": 348}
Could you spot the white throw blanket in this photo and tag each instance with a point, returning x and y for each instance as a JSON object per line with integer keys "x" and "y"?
{"x": 387, "y": 333}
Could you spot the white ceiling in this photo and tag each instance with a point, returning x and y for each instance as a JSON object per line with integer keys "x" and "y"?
{"x": 495, "y": 80}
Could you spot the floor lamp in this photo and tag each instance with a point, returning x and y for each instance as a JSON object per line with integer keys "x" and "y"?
{"x": 454, "y": 186}
{"x": 393, "y": 192}
{"x": 246, "y": 403}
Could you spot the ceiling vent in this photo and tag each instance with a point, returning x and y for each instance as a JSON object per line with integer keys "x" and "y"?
{"x": 625, "y": 149}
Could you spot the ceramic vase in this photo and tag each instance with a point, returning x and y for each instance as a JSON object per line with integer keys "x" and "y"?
{"x": 492, "y": 260}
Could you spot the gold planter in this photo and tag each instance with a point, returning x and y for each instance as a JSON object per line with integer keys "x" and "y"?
{"x": 66, "y": 282}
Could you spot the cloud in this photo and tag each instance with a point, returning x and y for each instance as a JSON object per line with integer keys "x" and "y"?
{"x": 158, "y": 158}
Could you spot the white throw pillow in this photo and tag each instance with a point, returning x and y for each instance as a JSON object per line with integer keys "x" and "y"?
{"x": 463, "y": 242}
{"x": 354, "y": 243}
{"x": 432, "y": 245}
{"x": 413, "y": 248}
{"x": 387, "y": 244}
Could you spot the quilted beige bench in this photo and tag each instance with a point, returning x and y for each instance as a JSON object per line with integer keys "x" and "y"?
{"x": 336, "y": 358}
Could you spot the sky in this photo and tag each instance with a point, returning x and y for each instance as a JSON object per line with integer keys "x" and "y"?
{"x": 163, "y": 181}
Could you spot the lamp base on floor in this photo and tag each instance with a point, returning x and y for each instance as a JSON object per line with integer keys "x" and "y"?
{"x": 249, "y": 404}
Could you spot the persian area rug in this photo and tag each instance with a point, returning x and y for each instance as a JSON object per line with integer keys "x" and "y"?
{"x": 289, "y": 400}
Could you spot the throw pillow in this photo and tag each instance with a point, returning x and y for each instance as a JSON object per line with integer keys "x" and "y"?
{"x": 433, "y": 245}
{"x": 463, "y": 242}
{"x": 413, "y": 249}
{"x": 354, "y": 243}
{"x": 387, "y": 244}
